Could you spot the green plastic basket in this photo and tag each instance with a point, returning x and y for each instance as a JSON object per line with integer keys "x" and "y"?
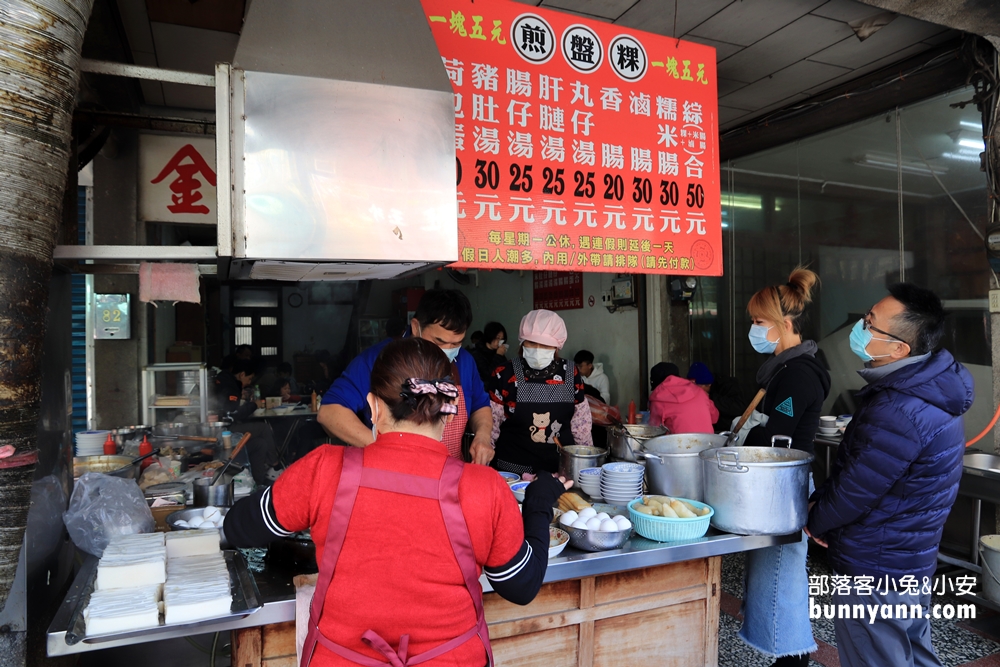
{"x": 666, "y": 529}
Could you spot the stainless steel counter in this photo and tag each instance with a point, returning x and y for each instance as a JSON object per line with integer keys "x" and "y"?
{"x": 274, "y": 583}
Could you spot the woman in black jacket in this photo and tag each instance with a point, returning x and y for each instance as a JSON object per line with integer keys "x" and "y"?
{"x": 490, "y": 350}
{"x": 776, "y": 612}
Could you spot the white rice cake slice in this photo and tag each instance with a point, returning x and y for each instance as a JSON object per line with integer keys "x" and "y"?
{"x": 192, "y": 605}
{"x": 187, "y": 543}
{"x": 131, "y": 570}
{"x": 122, "y": 610}
{"x": 197, "y": 588}
{"x": 137, "y": 541}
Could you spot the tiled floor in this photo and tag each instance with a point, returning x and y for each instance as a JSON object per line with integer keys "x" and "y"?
{"x": 957, "y": 643}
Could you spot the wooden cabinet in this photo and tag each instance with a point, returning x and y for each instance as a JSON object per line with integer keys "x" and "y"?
{"x": 663, "y": 616}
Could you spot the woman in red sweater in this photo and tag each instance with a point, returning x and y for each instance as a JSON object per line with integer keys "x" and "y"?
{"x": 402, "y": 530}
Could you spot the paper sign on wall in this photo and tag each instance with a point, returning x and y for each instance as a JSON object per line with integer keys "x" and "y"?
{"x": 581, "y": 146}
{"x": 177, "y": 179}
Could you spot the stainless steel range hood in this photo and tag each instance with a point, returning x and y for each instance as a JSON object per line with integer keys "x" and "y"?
{"x": 341, "y": 144}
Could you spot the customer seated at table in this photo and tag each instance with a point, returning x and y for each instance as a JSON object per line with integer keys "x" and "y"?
{"x": 490, "y": 349}
{"x": 403, "y": 530}
{"x": 593, "y": 374}
{"x": 679, "y": 404}
{"x": 285, "y": 373}
{"x": 229, "y": 388}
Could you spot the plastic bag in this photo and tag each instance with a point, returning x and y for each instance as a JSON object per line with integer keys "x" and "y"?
{"x": 103, "y": 506}
{"x": 603, "y": 414}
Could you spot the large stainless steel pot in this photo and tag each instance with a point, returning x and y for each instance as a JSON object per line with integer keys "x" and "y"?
{"x": 625, "y": 439}
{"x": 672, "y": 464}
{"x": 574, "y": 458}
{"x": 757, "y": 490}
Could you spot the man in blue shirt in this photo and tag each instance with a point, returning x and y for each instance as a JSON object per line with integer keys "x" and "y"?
{"x": 442, "y": 317}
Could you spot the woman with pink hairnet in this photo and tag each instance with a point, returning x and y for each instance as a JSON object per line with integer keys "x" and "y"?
{"x": 538, "y": 400}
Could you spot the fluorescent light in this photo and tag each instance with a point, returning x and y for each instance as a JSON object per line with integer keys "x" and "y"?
{"x": 743, "y": 201}
{"x": 907, "y": 167}
{"x": 725, "y": 225}
{"x": 972, "y": 143}
{"x": 962, "y": 157}
{"x": 978, "y": 127}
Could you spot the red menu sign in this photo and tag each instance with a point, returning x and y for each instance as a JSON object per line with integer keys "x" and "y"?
{"x": 558, "y": 290}
{"x": 582, "y": 146}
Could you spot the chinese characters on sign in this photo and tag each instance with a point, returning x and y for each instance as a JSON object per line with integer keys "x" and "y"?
{"x": 554, "y": 290}
{"x": 177, "y": 179}
{"x": 580, "y": 146}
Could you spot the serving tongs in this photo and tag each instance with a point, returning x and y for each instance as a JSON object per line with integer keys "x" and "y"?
{"x": 133, "y": 462}
{"x": 221, "y": 471}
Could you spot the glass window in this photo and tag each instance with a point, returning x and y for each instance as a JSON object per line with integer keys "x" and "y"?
{"x": 833, "y": 202}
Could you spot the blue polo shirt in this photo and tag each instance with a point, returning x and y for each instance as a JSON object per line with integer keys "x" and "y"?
{"x": 351, "y": 389}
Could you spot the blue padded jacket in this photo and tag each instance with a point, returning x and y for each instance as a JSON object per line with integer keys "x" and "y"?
{"x": 882, "y": 511}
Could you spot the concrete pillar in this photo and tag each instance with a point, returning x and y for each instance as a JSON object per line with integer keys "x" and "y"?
{"x": 117, "y": 363}
{"x": 668, "y": 326}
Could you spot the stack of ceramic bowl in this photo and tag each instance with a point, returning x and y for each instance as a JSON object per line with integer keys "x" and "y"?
{"x": 90, "y": 443}
{"x": 590, "y": 482}
{"x": 621, "y": 482}
{"x": 828, "y": 426}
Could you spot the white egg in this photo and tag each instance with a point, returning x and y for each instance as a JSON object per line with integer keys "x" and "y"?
{"x": 181, "y": 523}
{"x": 208, "y": 523}
{"x": 622, "y": 522}
{"x": 593, "y": 523}
{"x": 195, "y": 521}
{"x": 603, "y": 516}
{"x": 587, "y": 513}
{"x": 579, "y": 524}
{"x": 609, "y": 526}
{"x": 211, "y": 513}
{"x": 568, "y": 518}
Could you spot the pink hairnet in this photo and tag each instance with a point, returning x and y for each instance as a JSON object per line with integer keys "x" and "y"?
{"x": 543, "y": 326}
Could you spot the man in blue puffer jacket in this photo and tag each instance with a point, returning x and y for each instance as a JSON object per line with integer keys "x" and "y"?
{"x": 882, "y": 511}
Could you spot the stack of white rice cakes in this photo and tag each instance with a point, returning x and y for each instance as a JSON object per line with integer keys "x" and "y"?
{"x": 183, "y": 574}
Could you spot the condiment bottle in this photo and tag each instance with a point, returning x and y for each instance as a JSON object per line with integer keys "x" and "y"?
{"x": 110, "y": 448}
{"x": 313, "y": 405}
{"x": 631, "y": 412}
{"x": 227, "y": 441}
{"x": 145, "y": 448}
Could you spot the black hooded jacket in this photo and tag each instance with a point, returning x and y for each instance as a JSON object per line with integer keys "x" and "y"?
{"x": 796, "y": 389}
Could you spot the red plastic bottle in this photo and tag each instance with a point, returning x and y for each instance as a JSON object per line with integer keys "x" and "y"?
{"x": 631, "y": 412}
{"x": 145, "y": 448}
{"x": 110, "y": 448}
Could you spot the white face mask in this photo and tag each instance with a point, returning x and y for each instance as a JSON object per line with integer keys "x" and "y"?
{"x": 538, "y": 358}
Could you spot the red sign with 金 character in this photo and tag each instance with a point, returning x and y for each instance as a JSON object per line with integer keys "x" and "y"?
{"x": 558, "y": 290}
{"x": 581, "y": 146}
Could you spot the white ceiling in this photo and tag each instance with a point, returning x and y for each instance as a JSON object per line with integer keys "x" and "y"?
{"x": 771, "y": 53}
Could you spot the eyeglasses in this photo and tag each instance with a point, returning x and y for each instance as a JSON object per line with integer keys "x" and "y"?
{"x": 868, "y": 327}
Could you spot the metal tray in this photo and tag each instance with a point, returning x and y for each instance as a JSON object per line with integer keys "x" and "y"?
{"x": 246, "y": 600}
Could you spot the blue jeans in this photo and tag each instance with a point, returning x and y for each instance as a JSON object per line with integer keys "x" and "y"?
{"x": 901, "y": 642}
{"x": 776, "y": 599}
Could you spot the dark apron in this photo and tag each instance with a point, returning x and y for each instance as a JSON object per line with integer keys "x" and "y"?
{"x": 445, "y": 490}
{"x": 542, "y": 413}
